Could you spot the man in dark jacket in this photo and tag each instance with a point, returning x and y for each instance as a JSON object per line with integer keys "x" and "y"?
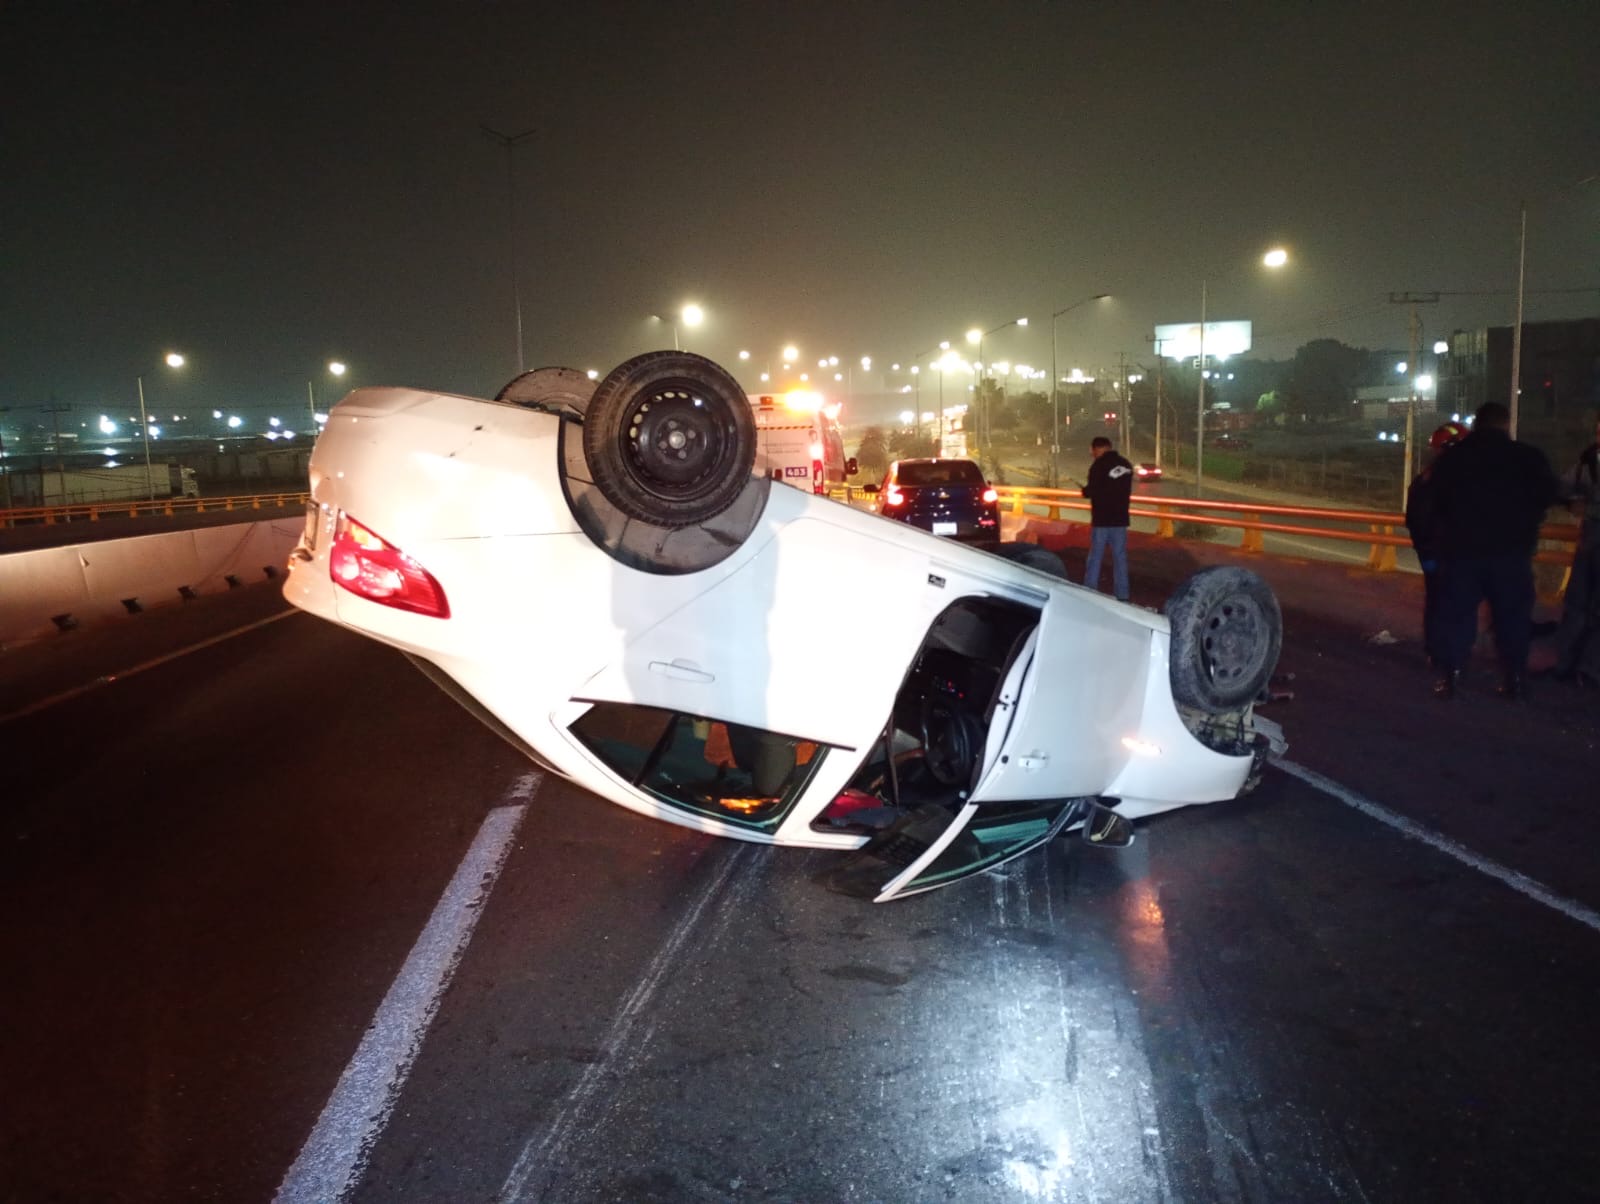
{"x": 1422, "y": 525}
{"x": 1490, "y": 495}
{"x": 1108, "y": 489}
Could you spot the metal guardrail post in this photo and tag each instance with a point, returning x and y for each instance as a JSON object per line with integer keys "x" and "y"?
{"x": 1381, "y": 558}
{"x": 1251, "y": 539}
{"x": 1166, "y": 528}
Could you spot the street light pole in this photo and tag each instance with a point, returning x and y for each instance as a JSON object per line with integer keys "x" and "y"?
{"x": 510, "y": 143}
{"x": 1516, "y": 332}
{"x": 1055, "y": 382}
{"x": 144, "y": 429}
{"x": 1200, "y": 411}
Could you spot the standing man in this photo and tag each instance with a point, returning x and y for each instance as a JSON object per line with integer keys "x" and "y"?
{"x": 1108, "y": 489}
{"x": 1422, "y": 525}
{"x": 1578, "y": 636}
{"x": 1490, "y": 495}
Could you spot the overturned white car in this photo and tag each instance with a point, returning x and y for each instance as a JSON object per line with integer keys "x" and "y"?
{"x": 606, "y": 575}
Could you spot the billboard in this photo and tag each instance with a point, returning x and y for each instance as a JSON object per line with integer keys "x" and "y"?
{"x": 1182, "y": 340}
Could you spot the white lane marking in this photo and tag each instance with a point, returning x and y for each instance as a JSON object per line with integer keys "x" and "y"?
{"x": 333, "y": 1157}
{"x": 1406, "y": 827}
{"x": 68, "y": 695}
{"x": 539, "y": 1154}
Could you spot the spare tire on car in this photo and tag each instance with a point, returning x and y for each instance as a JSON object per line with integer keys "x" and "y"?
{"x": 670, "y": 438}
{"x": 1227, "y": 632}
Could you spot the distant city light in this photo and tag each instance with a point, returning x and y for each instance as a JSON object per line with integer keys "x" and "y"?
{"x": 1441, "y": 347}
{"x": 107, "y": 427}
{"x": 235, "y": 421}
{"x": 174, "y": 360}
{"x": 336, "y": 368}
{"x": 1424, "y": 381}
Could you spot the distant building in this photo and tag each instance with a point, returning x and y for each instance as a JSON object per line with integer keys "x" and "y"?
{"x": 1560, "y": 371}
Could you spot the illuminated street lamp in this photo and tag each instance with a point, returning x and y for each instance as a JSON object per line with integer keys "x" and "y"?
{"x": 174, "y": 360}
{"x": 1274, "y": 258}
{"x": 691, "y": 315}
{"x": 336, "y": 368}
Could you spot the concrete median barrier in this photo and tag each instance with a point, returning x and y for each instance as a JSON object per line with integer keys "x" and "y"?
{"x": 54, "y": 589}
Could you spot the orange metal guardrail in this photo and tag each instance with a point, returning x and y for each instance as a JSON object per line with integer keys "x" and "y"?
{"x": 1382, "y": 531}
{"x": 134, "y": 508}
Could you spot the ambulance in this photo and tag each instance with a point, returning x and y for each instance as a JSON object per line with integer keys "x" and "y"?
{"x": 799, "y": 441}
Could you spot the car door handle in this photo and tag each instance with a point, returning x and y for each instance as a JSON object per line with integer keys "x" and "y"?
{"x": 1032, "y": 761}
{"x": 681, "y": 670}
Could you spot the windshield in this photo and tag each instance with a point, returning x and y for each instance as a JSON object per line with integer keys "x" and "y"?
{"x": 939, "y": 472}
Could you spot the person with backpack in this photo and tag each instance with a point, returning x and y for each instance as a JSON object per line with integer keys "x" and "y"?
{"x": 1490, "y": 494}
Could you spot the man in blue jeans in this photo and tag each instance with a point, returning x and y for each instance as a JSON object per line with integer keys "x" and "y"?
{"x": 1108, "y": 489}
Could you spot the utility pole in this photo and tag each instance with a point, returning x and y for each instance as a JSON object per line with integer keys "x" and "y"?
{"x": 1122, "y": 373}
{"x": 510, "y": 143}
{"x": 1415, "y": 353}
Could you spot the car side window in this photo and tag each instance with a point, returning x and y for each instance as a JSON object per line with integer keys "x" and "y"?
{"x": 726, "y": 771}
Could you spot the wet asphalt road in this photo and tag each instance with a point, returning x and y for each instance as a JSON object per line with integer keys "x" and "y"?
{"x": 212, "y": 871}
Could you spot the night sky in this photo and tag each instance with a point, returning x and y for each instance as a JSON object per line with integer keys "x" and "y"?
{"x": 267, "y": 186}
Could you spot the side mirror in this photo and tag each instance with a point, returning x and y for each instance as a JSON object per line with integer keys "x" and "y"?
{"x": 851, "y": 467}
{"x": 869, "y": 489}
{"x": 1104, "y": 828}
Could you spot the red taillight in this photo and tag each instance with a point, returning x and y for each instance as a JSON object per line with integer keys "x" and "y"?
{"x": 989, "y": 495}
{"x": 369, "y": 568}
{"x": 893, "y": 497}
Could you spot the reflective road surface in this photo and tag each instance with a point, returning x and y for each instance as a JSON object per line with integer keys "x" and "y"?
{"x": 281, "y": 921}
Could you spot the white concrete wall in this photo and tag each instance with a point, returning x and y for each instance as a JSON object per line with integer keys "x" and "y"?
{"x": 89, "y": 581}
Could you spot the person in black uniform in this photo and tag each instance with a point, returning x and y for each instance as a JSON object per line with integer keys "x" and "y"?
{"x": 1422, "y": 527}
{"x": 1490, "y": 495}
{"x": 1108, "y": 489}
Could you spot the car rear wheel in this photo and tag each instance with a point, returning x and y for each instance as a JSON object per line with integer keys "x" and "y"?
{"x": 1032, "y": 556}
{"x": 1227, "y": 632}
{"x": 670, "y": 438}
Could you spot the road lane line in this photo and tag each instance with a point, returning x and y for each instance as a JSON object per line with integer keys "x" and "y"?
{"x": 68, "y": 695}
{"x": 333, "y": 1157}
{"x": 540, "y": 1154}
{"x": 1406, "y": 827}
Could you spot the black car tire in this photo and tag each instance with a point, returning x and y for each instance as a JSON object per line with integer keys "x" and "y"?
{"x": 1031, "y": 556}
{"x": 670, "y": 438}
{"x": 1227, "y": 632}
{"x": 542, "y": 387}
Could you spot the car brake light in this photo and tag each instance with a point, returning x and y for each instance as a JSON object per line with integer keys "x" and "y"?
{"x": 370, "y": 568}
{"x": 989, "y": 495}
{"x": 892, "y": 496}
